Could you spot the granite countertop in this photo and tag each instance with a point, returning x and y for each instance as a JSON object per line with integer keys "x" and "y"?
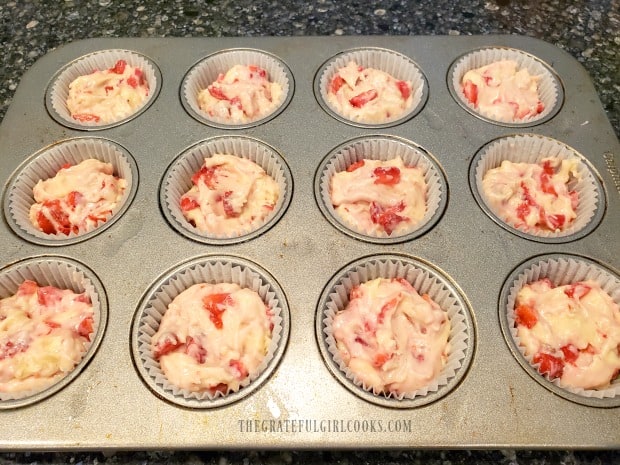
{"x": 587, "y": 29}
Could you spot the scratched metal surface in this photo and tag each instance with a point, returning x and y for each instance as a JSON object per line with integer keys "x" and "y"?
{"x": 301, "y": 405}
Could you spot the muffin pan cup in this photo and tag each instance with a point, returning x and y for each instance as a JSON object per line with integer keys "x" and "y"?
{"x": 302, "y": 399}
{"x": 560, "y": 269}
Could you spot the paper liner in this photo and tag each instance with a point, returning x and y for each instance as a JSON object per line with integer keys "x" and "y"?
{"x": 425, "y": 279}
{"x": 561, "y": 269}
{"x": 526, "y": 148}
{"x": 213, "y": 270}
{"x": 395, "y": 64}
{"x": 383, "y": 148}
{"x": 58, "y": 91}
{"x": 178, "y": 180}
{"x": 550, "y": 90}
{"x": 19, "y": 196}
{"x": 206, "y": 71}
{"x": 62, "y": 273}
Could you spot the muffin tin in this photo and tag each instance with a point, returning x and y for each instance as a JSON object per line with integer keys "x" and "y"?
{"x": 302, "y": 399}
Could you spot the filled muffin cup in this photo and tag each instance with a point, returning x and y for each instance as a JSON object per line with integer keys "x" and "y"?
{"x": 19, "y": 197}
{"x": 177, "y": 181}
{"x": 550, "y": 89}
{"x": 560, "y": 269}
{"x": 382, "y": 147}
{"x": 210, "y": 269}
{"x": 532, "y": 148}
{"x": 426, "y": 279}
{"x": 62, "y": 273}
{"x": 399, "y": 66}
{"x": 57, "y": 92}
{"x": 207, "y": 70}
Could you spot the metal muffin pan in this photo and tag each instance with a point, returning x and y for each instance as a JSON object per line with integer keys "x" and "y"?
{"x": 301, "y": 403}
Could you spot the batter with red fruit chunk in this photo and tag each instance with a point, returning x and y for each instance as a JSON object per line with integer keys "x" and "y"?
{"x": 368, "y": 95}
{"x": 109, "y": 95}
{"x": 77, "y": 198}
{"x": 533, "y": 197}
{"x": 212, "y": 337}
{"x": 572, "y": 332}
{"x": 379, "y": 197}
{"x": 391, "y": 338}
{"x": 244, "y": 94}
{"x": 44, "y": 333}
{"x": 229, "y": 195}
{"x": 503, "y": 92}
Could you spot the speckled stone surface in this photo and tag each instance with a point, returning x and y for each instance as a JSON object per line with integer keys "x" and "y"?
{"x": 588, "y": 29}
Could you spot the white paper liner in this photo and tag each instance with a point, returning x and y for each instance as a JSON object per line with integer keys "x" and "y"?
{"x": 179, "y": 178}
{"x": 97, "y": 61}
{"x": 381, "y": 148}
{"x": 398, "y": 66}
{"x": 527, "y": 148}
{"x": 562, "y": 271}
{"x": 60, "y": 274}
{"x": 550, "y": 91}
{"x": 425, "y": 283}
{"x": 47, "y": 163}
{"x": 207, "y": 71}
{"x": 211, "y": 271}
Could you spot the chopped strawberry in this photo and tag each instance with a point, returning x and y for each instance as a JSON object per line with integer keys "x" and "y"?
{"x": 355, "y": 293}
{"x": 574, "y": 199}
{"x": 388, "y": 306}
{"x": 545, "y": 179}
{"x": 188, "y": 203}
{"x": 540, "y": 107}
{"x": 166, "y": 345}
{"x": 387, "y": 176}
{"x": 217, "y": 92}
{"x": 549, "y": 365}
{"x": 119, "y": 67}
{"x": 74, "y": 198}
{"x": 257, "y": 69}
{"x": 195, "y": 350}
{"x": 221, "y": 387}
{"x": 108, "y": 89}
{"x": 132, "y": 81}
{"x": 337, "y": 83}
{"x": 45, "y": 224}
{"x": 387, "y": 217}
{"x": 404, "y": 88}
{"x": 206, "y": 175}
{"x": 84, "y": 298}
{"x": 52, "y": 324}
{"x": 555, "y": 222}
{"x": 228, "y": 207}
{"x": 10, "y": 349}
{"x": 526, "y": 316}
{"x": 85, "y": 117}
{"x": 48, "y": 296}
{"x": 65, "y": 166}
{"x": 236, "y": 103}
{"x": 239, "y": 368}
{"x": 354, "y": 166}
{"x": 361, "y": 341}
{"x": 215, "y": 304}
{"x": 362, "y": 99}
{"x": 85, "y": 328}
{"x": 571, "y": 353}
{"x": 27, "y": 288}
{"x": 471, "y": 92}
{"x": 577, "y": 290}
{"x": 58, "y": 214}
{"x": 139, "y": 75}
{"x": 380, "y": 359}
{"x": 406, "y": 284}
